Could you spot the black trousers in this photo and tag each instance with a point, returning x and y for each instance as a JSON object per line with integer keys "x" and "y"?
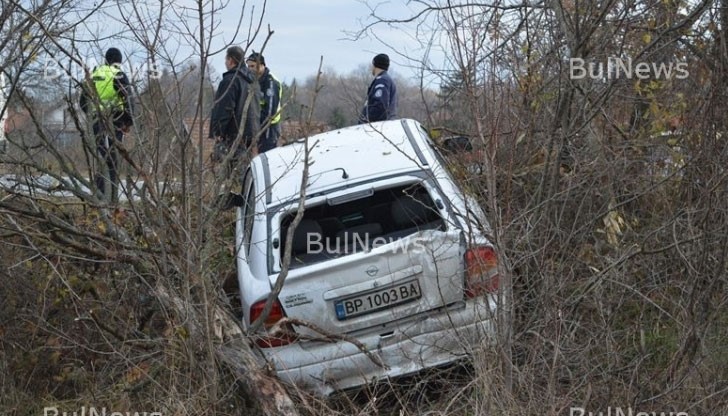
{"x": 107, "y": 176}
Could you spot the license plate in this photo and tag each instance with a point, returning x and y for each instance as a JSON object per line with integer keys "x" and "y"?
{"x": 379, "y": 299}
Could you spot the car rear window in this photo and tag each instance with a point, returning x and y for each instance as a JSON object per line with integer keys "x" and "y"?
{"x": 386, "y": 215}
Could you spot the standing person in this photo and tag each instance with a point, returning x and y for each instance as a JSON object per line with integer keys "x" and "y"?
{"x": 111, "y": 110}
{"x": 270, "y": 103}
{"x": 381, "y": 103}
{"x": 235, "y": 106}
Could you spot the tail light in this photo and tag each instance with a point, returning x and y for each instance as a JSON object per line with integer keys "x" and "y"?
{"x": 481, "y": 271}
{"x": 287, "y": 336}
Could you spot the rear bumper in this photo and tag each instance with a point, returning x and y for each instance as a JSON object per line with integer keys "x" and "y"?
{"x": 428, "y": 341}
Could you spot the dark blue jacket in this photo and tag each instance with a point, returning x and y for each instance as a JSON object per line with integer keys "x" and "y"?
{"x": 227, "y": 110}
{"x": 381, "y": 101}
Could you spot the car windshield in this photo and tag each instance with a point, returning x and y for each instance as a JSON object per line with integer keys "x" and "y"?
{"x": 343, "y": 226}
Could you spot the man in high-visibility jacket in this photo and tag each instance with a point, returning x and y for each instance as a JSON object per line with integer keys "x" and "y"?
{"x": 270, "y": 103}
{"x": 106, "y": 100}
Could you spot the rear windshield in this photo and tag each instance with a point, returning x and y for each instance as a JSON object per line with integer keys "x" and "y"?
{"x": 329, "y": 231}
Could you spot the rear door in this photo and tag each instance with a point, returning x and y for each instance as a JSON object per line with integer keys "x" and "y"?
{"x": 409, "y": 261}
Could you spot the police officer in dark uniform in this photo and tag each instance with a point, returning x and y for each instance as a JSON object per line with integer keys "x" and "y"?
{"x": 235, "y": 110}
{"x": 381, "y": 103}
{"x": 270, "y": 103}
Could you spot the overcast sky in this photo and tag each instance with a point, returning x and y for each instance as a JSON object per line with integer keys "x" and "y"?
{"x": 306, "y": 30}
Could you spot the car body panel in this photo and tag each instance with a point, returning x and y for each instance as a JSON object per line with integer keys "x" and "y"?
{"x": 424, "y": 341}
{"x": 385, "y": 153}
{"x": 307, "y": 288}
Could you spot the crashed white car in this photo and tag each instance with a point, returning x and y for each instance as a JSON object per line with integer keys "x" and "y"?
{"x": 391, "y": 271}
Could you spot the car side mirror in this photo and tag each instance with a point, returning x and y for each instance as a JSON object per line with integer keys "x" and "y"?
{"x": 457, "y": 144}
{"x": 230, "y": 200}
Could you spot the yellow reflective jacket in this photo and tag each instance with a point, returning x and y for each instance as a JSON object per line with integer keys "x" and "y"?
{"x": 103, "y": 78}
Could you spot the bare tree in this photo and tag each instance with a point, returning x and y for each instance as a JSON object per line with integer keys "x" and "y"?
{"x": 595, "y": 185}
{"x": 132, "y": 313}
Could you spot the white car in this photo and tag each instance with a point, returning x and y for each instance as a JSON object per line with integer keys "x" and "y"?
{"x": 391, "y": 271}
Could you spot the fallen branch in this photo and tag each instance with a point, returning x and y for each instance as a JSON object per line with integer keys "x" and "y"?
{"x": 280, "y": 328}
{"x": 236, "y": 354}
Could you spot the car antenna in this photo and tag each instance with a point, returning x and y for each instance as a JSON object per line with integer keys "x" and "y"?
{"x": 344, "y": 175}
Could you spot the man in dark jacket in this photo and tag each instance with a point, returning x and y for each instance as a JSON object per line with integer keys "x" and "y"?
{"x": 270, "y": 103}
{"x": 236, "y": 105}
{"x": 107, "y": 102}
{"x": 381, "y": 103}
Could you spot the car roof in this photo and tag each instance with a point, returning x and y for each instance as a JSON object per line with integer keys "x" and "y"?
{"x": 358, "y": 152}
